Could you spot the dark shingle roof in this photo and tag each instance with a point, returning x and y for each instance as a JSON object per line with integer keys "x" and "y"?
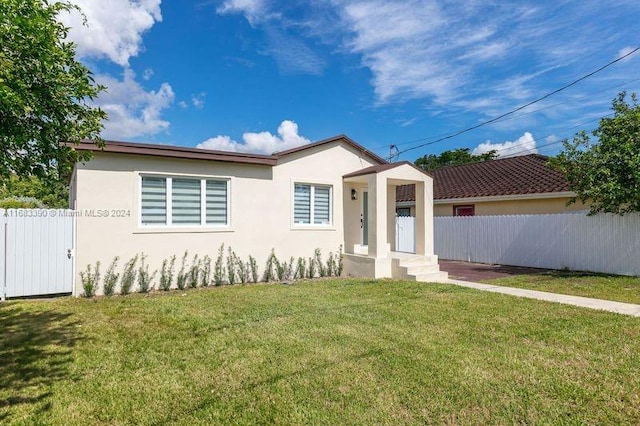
{"x": 527, "y": 174}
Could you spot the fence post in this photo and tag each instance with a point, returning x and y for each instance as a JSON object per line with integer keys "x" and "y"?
{"x": 4, "y": 259}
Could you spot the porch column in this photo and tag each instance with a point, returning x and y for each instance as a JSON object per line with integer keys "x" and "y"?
{"x": 378, "y": 216}
{"x": 424, "y": 217}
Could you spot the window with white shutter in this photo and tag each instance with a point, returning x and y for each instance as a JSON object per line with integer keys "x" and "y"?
{"x": 182, "y": 201}
{"x": 312, "y": 204}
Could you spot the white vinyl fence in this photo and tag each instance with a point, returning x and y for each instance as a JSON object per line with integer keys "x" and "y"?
{"x": 36, "y": 247}
{"x": 406, "y": 234}
{"x": 601, "y": 243}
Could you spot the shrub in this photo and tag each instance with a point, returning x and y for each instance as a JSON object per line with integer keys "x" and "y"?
{"x": 218, "y": 268}
{"x": 244, "y": 269}
{"x": 301, "y": 268}
{"x": 331, "y": 265}
{"x": 144, "y": 277}
{"x": 317, "y": 258}
{"x": 288, "y": 270}
{"x": 166, "y": 273}
{"x": 340, "y": 265}
{"x": 272, "y": 262}
{"x": 253, "y": 265}
{"x": 181, "y": 279}
{"x": 231, "y": 266}
{"x": 128, "y": 276}
{"x": 311, "y": 272}
{"x": 90, "y": 280}
{"x": 111, "y": 278}
{"x": 194, "y": 272}
{"x": 205, "y": 272}
{"x": 14, "y": 202}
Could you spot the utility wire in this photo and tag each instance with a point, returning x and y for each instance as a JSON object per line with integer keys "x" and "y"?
{"x": 484, "y": 123}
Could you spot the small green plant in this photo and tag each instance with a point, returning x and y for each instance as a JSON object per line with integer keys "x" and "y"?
{"x": 194, "y": 272}
{"x": 90, "y": 279}
{"x": 128, "y": 276}
{"x": 301, "y": 268}
{"x": 289, "y": 269}
{"x": 145, "y": 278}
{"x": 205, "y": 272}
{"x": 111, "y": 278}
{"x": 218, "y": 268}
{"x": 253, "y": 265}
{"x": 231, "y": 266}
{"x": 339, "y": 264}
{"x": 181, "y": 279}
{"x": 166, "y": 273}
{"x": 244, "y": 269}
{"x": 331, "y": 265}
{"x": 311, "y": 272}
{"x": 281, "y": 269}
{"x": 272, "y": 263}
{"x": 317, "y": 258}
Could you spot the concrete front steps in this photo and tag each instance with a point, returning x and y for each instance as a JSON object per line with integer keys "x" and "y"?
{"x": 412, "y": 267}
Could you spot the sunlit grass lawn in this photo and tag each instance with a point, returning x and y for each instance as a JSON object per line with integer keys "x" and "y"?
{"x": 322, "y": 352}
{"x": 609, "y": 287}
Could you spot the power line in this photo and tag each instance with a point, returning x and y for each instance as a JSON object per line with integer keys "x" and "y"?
{"x": 484, "y": 123}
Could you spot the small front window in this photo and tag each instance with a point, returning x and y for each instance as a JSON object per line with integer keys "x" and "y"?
{"x": 312, "y": 204}
{"x": 464, "y": 210}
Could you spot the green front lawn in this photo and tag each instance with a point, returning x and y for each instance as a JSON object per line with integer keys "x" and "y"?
{"x": 608, "y": 287}
{"x": 321, "y": 352}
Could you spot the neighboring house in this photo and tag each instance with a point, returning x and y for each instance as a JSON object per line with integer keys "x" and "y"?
{"x": 508, "y": 186}
{"x": 163, "y": 200}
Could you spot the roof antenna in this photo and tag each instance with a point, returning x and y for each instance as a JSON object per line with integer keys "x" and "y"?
{"x": 394, "y": 153}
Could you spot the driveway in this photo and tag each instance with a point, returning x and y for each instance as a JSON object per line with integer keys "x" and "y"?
{"x": 467, "y": 271}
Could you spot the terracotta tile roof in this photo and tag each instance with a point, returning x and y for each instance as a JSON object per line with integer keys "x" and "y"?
{"x": 527, "y": 174}
{"x": 405, "y": 193}
{"x": 207, "y": 154}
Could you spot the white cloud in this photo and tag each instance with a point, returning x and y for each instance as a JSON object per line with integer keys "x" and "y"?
{"x": 198, "y": 100}
{"x": 260, "y": 143}
{"x": 625, "y": 51}
{"x": 113, "y": 28}
{"x": 147, "y": 74}
{"x": 524, "y": 145}
{"x": 132, "y": 110}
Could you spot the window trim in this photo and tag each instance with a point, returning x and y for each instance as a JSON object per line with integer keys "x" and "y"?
{"x": 169, "y": 203}
{"x": 313, "y": 185}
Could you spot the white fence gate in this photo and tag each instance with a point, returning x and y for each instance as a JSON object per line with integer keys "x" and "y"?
{"x": 406, "y": 234}
{"x": 36, "y": 247}
{"x": 601, "y": 243}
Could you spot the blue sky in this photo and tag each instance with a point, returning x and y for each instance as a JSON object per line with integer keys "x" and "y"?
{"x": 262, "y": 76}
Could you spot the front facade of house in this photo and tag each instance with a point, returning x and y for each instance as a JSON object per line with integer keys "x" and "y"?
{"x": 161, "y": 201}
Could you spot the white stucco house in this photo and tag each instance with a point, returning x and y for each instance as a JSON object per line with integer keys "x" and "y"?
{"x": 162, "y": 200}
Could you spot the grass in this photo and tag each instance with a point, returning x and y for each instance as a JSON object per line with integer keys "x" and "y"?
{"x": 321, "y": 352}
{"x": 600, "y": 286}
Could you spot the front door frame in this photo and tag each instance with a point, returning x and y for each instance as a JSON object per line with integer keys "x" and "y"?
{"x": 364, "y": 218}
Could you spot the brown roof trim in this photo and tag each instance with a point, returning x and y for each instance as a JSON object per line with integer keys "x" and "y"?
{"x": 175, "y": 152}
{"x": 339, "y": 138}
{"x": 382, "y": 167}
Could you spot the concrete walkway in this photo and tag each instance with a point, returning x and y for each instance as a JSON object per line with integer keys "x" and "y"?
{"x": 584, "y": 302}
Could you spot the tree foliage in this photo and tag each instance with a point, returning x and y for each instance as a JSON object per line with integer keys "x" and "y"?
{"x": 45, "y": 94}
{"x": 455, "y": 157}
{"x": 53, "y": 193}
{"x": 606, "y": 172}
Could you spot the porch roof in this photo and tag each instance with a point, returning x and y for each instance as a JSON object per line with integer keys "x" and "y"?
{"x": 401, "y": 171}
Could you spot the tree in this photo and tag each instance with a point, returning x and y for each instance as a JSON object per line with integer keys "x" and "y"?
{"x": 456, "y": 157}
{"x": 53, "y": 193}
{"x": 45, "y": 94}
{"x": 606, "y": 172}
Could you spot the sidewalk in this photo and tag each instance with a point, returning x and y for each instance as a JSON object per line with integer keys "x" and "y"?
{"x": 584, "y": 302}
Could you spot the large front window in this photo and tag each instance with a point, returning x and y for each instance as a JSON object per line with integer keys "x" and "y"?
{"x": 184, "y": 201}
{"x": 312, "y": 204}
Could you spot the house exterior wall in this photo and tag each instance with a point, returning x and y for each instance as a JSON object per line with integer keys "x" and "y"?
{"x": 513, "y": 207}
{"x": 107, "y": 197}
